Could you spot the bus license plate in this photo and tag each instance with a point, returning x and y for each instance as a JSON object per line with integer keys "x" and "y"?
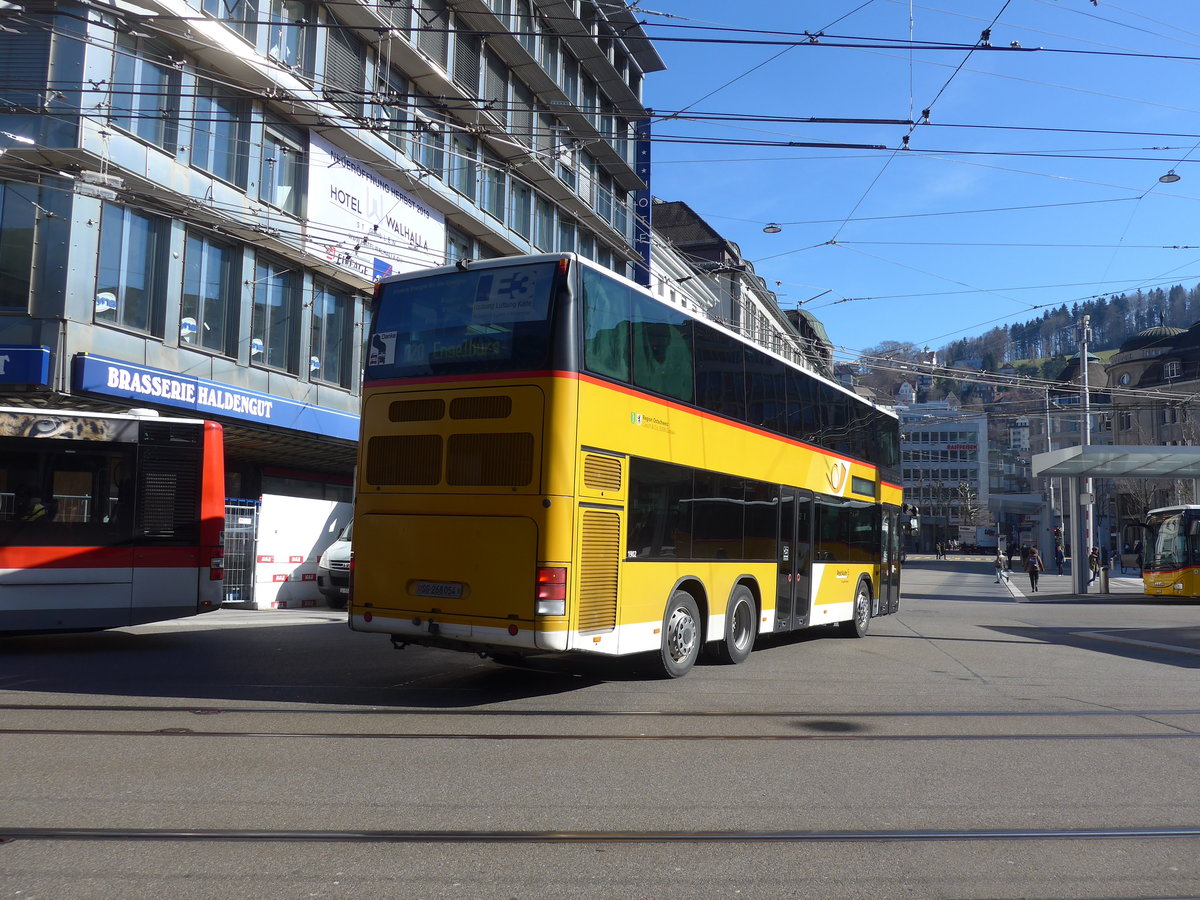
{"x": 452, "y": 589}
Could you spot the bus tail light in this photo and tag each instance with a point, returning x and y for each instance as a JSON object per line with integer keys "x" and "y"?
{"x": 551, "y": 595}
{"x": 216, "y": 564}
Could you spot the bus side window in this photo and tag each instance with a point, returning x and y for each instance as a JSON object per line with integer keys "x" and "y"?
{"x": 606, "y": 327}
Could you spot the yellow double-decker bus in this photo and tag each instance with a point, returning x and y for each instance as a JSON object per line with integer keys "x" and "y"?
{"x": 553, "y": 460}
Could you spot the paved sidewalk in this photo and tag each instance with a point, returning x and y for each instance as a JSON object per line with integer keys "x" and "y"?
{"x": 1121, "y": 589}
{"x": 1052, "y": 586}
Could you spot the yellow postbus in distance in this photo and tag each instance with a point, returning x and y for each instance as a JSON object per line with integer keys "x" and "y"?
{"x": 1171, "y": 558}
{"x": 554, "y": 460}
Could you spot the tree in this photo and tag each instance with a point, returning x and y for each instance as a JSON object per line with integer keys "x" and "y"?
{"x": 968, "y": 504}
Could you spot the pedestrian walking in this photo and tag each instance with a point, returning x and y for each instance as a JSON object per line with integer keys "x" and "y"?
{"x": 938, "y": 553}
{"x": 1094, "y": 564}
{"x": 1059, "y": 557}
{"x": 999, "y": 563}
{"x": 1033, "y": 565}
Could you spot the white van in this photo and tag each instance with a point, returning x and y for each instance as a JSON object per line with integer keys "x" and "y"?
{"x": 333, "y": 570}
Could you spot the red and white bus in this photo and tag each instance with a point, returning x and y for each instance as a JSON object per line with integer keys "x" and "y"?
{"x": 108, "y": 520}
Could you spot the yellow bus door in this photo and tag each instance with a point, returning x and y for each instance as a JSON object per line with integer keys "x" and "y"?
{"x": 889, "y": 563}
{"x": 793, "y": 601}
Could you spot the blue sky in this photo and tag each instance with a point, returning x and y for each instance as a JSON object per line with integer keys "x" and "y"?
{"x": 973, "y": 226}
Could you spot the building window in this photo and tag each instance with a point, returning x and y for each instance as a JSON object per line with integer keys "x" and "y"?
{"x": 18, "y": 217}
{"x": 467, "y": 49}
{"x": 591, "y": 100}
{"x": 275, "y": 324}
{"x": 543, "y": 224}
{"x": 432, "y": 25}
{"x": 240, "y": 15}
{"x": 522, "y": 113}
{"x": 221, "y": 133}
{"x": 545, "y": 138}
{"x": 620, "y": 219}
{"x": 588, "y": 169}
{"x": 289, "y": 33}
{"x": 458, "y": 245}
{"x": 1171, "y": 369}
{"x": 495, "y": 86}
{"x": 332, "y": 335}
{"x": 129, "y": 276}
{"x": 389, "y": 107}
{"x": 520, "y": 211}
{"x": 604, "y": 197}
{"x": 566, "y": 166}
{"x": 431, "y": 143}
{"x": 145, "y": 94}
{"x": 208, "y": 313}
{"x": 345, "y": 68}
{"x": 570, "y": 78}
{"x": 282, "y": 180}
{"x": 494, "y": 181}
{"x": 550, "y": 53}
{"x": 463, "y": 168}
{"x": 566, "y": 235}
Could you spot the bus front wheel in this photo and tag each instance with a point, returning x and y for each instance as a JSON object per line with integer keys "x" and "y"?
{"x": 857, "y": 627}
{"x": 741, "y": 627}
{"x": 680, "y": 636}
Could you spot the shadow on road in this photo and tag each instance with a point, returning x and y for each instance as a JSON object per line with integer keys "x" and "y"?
{"x": 1148, "y": 644}
{"x": 321, "y": 663}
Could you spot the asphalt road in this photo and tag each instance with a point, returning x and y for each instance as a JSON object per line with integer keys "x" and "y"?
{"x": 971, "y": 746}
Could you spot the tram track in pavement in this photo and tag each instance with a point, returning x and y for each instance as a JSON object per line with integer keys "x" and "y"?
{"x": 593, "y": 714}
{"x": 789, "y": 726}
{"x": 264, "y": 836}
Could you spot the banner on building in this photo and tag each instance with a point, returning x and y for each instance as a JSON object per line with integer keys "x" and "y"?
{"x": 114, "y": 378}
{"x": 365, "y": 224}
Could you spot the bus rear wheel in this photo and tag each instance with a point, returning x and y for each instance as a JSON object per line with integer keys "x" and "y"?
{"x": 680, "y": 636}
{"x": 857, "y": 627}
{"x": 741, "y": 627}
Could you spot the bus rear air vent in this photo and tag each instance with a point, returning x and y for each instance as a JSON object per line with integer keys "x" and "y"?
{"x": 496, "y": 407}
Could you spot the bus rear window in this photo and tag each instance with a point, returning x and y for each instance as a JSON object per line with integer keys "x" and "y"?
{"x": 481, "y": 320}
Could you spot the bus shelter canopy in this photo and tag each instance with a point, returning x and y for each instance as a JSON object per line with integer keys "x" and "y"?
{"x": 1135, "y": 461}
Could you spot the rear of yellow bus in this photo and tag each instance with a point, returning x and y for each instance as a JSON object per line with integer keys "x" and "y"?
{"x": 463, "y": 512}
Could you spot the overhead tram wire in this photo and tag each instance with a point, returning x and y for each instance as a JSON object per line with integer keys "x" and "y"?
{"x": 755, "y": 68}
{"x": 1035, "y": 287}
{"x": 796, "y": 39}
{"x": 470, "y": 105}
{"x": 926, "y": 215}
{"x": 925, "y": 115}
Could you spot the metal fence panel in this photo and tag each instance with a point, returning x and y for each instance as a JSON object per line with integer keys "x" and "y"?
{"x": 241, "y": 540}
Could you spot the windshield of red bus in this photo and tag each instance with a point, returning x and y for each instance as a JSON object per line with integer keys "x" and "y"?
{"x": 489, "y": 319}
